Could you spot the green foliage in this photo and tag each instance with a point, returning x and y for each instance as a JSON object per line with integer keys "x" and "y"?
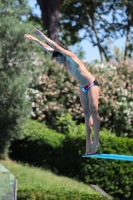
{"x": 65, "y": 124}
{"x": 39, "y": 137}
{"x": 14, "y": 65}
{"x": 63, "y": 155}
{"x": 99, "y": 21}
{"x": 51, "y": 194}
{"x": 90, "y": 17}
{"x": 41, "y": 133}
{"x": 31, "y": 177}
{"x": 57, "y": 94}
{"x": 115, "y": 103}
{"x": 13, "y": 104}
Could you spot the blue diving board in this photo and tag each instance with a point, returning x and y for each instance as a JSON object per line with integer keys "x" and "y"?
{"x": 109, "y": 156}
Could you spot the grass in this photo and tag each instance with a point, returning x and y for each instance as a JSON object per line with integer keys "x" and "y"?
{"x": 28, "y": 176}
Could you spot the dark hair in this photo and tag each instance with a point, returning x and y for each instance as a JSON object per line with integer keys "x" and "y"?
{"x": 56, "y": 53}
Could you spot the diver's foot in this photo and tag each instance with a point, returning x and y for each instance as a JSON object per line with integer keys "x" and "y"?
{"x": 88, "y": 147}
{"x": 94, "y": 147}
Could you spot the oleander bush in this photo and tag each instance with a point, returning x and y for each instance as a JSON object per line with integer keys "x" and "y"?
{"x": 57, "y": 93}
{"x": 63, "y": 155}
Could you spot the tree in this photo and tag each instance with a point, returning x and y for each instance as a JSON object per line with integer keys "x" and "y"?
{"x": 17, "y": 63}
{"x": 122, "y": 21}
{"x": 50, "y": 16}
{"x": 101, "y": 20}
{"x": 90, "y": 17}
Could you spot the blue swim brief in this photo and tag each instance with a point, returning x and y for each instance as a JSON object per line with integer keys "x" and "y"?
{"x": 87, "y": 87}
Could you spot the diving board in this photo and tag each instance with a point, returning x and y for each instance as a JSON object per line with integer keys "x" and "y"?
{"x": 109, "y": 156}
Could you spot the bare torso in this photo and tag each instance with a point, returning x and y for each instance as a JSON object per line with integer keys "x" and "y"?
{"x": 77, "y": 69}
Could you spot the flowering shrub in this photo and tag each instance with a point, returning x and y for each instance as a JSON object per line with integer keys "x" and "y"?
{"x": 116, "y": 83}
{"x": 57, "y": 93}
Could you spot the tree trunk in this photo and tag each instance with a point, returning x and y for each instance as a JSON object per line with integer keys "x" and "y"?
{"x": 128, "y": 32}
{"x": 50, "y": 15}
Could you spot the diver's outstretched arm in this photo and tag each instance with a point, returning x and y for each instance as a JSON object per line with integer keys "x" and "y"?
{"x": 53, "y": 44}
{"x": 44, "y": 46}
